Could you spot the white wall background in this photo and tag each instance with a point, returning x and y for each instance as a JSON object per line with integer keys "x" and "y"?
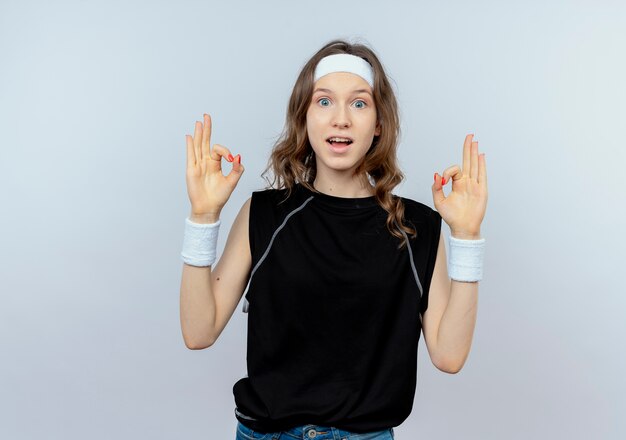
{"x": 95, "y": 101}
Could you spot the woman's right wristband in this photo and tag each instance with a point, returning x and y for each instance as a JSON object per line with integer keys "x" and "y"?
{"x": 200, "y": 243}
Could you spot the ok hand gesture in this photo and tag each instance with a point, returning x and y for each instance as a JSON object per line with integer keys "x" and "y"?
{"x": 464, "y": 208}
{"x": 207, "y": 187}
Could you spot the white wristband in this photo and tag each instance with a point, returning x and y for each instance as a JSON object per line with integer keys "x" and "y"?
{"x": 200, "y": 243}
{"x": 466, "y": 259}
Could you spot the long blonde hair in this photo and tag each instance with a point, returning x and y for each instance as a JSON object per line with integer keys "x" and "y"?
{"x": 293, "y": 160}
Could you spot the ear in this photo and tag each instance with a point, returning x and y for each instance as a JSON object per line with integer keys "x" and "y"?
{"x": 378, "y": 129}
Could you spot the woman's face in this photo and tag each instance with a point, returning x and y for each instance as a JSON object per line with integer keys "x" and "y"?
{"x": 342, "y": 106}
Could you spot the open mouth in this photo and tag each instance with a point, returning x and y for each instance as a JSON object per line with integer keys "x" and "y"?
{"x": 339, "y": 142}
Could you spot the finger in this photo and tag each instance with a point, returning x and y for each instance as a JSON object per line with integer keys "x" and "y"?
{"x": 466, "y": 153}
{"x": 474, "y": 161}
{"x": 217, "y": 153}
{"x": 191, "y": 155}
{"x": 236, "y": 172}
{"x": 437, "y": 189}
{"x": 206, "y": 136}
{"x": 197, "y": 138}
{"x": 482, "y": 170}
{"x": 452, "y": 173}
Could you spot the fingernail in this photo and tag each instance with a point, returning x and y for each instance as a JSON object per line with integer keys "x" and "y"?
{"x": 238, "y": 158}
{"x": 435, "y": 176}
{"x": 443, "y": 181}
{"x": 230, "y": 158}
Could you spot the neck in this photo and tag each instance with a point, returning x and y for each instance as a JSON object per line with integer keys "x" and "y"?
{"x": 351, "y": 187}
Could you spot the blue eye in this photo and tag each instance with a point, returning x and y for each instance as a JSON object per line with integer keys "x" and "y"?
{"x": 321, "y": 100}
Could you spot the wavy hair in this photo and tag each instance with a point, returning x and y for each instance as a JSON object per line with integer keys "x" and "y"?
{"x": 293, "y": 160}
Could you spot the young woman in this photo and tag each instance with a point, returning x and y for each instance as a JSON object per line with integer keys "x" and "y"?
{"x": 341, "y": 274}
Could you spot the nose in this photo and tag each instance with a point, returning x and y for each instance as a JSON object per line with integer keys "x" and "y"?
{"x": 341, "y": 118}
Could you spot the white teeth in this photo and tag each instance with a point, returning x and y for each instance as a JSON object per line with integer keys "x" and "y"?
{"x": 339, "y": 140}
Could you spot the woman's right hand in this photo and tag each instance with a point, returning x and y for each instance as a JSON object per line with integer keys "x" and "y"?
{"x": 207, "y": 187}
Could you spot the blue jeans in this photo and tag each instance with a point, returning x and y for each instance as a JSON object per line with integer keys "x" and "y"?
{"x": 312, "y": 432}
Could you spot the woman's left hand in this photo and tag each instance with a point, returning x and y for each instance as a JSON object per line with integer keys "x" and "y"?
{"x": 464, "y": 208}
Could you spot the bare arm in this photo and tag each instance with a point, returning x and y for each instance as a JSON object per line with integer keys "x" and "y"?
{"x": 209, "y": 295}
{"x": 449, "y": 321}
{"x": 456, "y": 329}
{"x": 197, "y": 302}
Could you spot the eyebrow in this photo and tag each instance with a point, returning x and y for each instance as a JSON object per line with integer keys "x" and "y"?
{"x": 353, "y": 92}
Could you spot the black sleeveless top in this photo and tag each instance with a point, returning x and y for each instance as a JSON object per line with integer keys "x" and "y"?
{"x": 334, "y": 312}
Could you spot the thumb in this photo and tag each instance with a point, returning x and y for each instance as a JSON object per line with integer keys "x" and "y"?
{"x": 237, "y": 171}
{"x": 437, "y": 189}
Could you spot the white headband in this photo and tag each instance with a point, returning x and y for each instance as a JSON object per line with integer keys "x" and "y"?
{"x": 343, "y": 62}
